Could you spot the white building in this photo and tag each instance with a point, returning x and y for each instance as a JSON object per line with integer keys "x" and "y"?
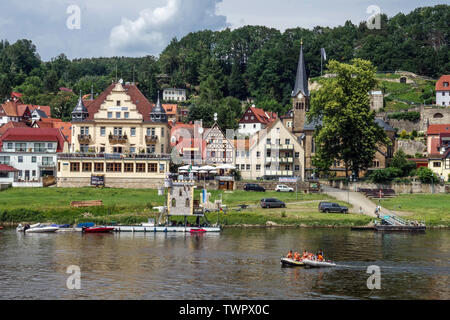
{"x": 254, "y": 120}
{"x": 32, "y": 152}
{"x": 443, "y": 91}
{"x": 272, "y": 153}
{"x": 174, "y": 94}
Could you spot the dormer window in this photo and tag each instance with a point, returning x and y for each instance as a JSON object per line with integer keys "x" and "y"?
{"x": 446, "y": 84}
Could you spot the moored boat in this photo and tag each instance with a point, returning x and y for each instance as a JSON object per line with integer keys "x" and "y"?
{"x": 318, "y": 264}
{"x": 291, "y": 263}
{"x": 98, "y": 230}
{"x": 196, "y": 231}
{"x": 36, "y": 228}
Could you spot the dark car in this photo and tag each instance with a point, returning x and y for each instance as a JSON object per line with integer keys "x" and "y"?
{"x": 254, "y": 187}
{"x": 332, "y": 207}
{"x": 272, "y": 203}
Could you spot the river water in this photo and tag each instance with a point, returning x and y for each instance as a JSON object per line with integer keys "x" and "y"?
{"x": 236, "y": 264}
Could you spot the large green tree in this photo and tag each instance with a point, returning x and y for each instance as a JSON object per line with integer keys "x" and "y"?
{"x": 348, "y": 132}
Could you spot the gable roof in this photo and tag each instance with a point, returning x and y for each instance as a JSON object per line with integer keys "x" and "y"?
{"x": 440, "y": 83}
{"x": 6, "y": 168}
{"x": 10, "y": 109}
{"x": 12, "y": 124}
{"x": 34, "y": 135}
{"x": 40, "y": 109}
{"x": 143, "y": 106}
{"x": 171, "y": 109}
{"x": 263, "y": 117}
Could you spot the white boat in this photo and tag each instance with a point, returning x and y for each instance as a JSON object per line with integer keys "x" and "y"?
{"x": 318, "y": 264}
{"x": 37, "y": 228}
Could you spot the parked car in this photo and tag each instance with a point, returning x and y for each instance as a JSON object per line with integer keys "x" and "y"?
{"x": 332, "y": 207}
{"x": 254, "y": 187}
{"x": 272, "y": 203}
{"x": 283, "y": 188}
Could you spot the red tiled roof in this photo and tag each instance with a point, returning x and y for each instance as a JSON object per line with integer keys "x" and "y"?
{"x": 45, "y": 109}
{"x": 264, "y": 117}
{"x": 171, "y": 109}
{"x": 143, "y": 106}
{"x": 66, "y": 129}
{"x": 435, "y": 144}
{"x": 438, "y": 128}
{"x": 440, "y": 83}
{"x": 12, "y": 124}
{"x": 5, "y": 168}
{"x": 10, "y": 109}
{"x": 35, "y": 135}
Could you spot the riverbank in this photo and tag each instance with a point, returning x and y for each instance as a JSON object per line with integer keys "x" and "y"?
{"x": 133, "y": 207}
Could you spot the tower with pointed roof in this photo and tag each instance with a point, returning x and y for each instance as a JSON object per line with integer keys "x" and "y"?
{"x": 80, "y": 112}
{"x": 158, "y": 114}
{"x": 300, "y": 95}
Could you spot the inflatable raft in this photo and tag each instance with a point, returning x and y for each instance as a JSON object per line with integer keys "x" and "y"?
{"x": 318, "y": 264}
{"x": 286, "y": 262}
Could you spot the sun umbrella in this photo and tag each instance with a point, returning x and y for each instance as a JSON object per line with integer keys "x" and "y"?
{"x": 208, "y": 168}
{"x": 226, "y": 167}
{"x": 203, "y": 171}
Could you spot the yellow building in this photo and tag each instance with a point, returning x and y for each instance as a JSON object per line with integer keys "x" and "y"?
{"x": 121, "y": 121}
{"x": 440, "y": 165}
{"x": 119, "y": 140}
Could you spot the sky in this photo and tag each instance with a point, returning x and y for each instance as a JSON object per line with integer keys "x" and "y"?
{"x": 105, "y": 28}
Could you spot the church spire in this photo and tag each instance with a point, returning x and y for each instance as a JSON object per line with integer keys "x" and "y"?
{"x": 80, "y": 112}
{"x": 301, "y": 80}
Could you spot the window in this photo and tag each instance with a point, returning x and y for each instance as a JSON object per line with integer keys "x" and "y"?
{"x": 258, "y": 167}
{"x": 132, "y": 149}
{"x": 151, "y": 149}
{"x": 297, "y": 154}
{"x": 84, "y": 148}
{"x": 436, "y": 164}
{"x": 129, "y": 167}
{"x": 297, "y": 168}
{"x": 118, "y": 103}
{"x": 10, "y": 145}
{"x": 118, "y": 132}
{"x": 21, "y": 147}
{"x": 5, "y": 160}
{"x": 117, "y": 150}
{"x": 258, "y": 154}
{"x": 39, "y": 147}
{"x": 113, "y": 167}
{"x": 152, "y": 167}
{"x": 74, "y": 167}
{"x": 127, "y": 115}
{"x": 188, "y": 202}
{"x": 248, "y": 167}
{"x": 87, "y": 167}
{"x": 20, "y": 159}
{"x": 287, "y": 141}
{"x": 162, "y": 168}
{"x": 162, "y": 148}
{"x": 140, "y": 167}
{"x": 117, "y": 115}
{"x": 84, "y": 131}
{"x": 50, "y": 146}
{"x": 268, "y": 141}
{"x": 102, "y": 131}
{"x": 33, "y": 159}
{"x": 110, "y": 115}
{"x": 99, "y": 167}
{"x": 133, "y": 132}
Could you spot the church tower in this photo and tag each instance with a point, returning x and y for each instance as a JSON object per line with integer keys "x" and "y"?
{"x": 300, "y": 95}
{"x": 80, "y": 112}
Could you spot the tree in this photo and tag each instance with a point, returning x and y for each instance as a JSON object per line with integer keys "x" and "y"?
{"x": 426, "y": 175}
{"x": 348, "y": 131}
{"x": 401, "y": 162}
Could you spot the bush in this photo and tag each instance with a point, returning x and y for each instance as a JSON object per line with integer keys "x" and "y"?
{"x": 385, "y": 175}
{"x": 426, "y": 175}
{"x": 412, "y": 116}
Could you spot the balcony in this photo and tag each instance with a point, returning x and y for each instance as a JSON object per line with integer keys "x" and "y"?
{"x": 151, "y": 139}
{"x": 280, "y": 146}
{"x": 118, "y": 139}
{"x": 47, "y": 164}
{"x": 84, "y": 138}
{"x": 280, "y": 173}
{"x": 280, "y": 160}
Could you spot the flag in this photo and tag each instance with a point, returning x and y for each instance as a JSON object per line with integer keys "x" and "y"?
{"x": 324, "y": 54}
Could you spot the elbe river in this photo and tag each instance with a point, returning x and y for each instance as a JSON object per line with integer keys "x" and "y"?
{"x": 239, "y": 263}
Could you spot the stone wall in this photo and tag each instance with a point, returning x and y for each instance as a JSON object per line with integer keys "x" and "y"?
{"x": 135, "y": 183}
{"x": 428, "y": 115}
{"x": 409, "y": 126}
{"x": 414, "y": 187}
{"x": 5, "y": 186}
{"x": 411, "y": 147}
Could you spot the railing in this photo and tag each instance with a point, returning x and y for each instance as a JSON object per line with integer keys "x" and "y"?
{"x": 151, "y": 139}
{"x": 112, "y": 156}
{"x": 84, "y": 138}
{"x": 118, "y": 139}
{"x": 281, "y": 173}
{"x": 47, "y": 164}
{"x": 280, "y": 146}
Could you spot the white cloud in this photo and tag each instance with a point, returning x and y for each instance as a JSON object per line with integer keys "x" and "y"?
{"x": 154, "y": 28}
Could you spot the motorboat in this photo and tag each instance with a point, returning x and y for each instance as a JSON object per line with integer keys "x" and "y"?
{"x": 37, "y": 228}
{"x": 318, "y": 264}
{"x": 287, "y": 262}
{"x": 197, "y": 231}
{"x": 97, "y": 229}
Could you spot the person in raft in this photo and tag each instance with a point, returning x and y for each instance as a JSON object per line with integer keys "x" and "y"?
{"x": 289, "y": 255}
{"x": 320, "y": 255}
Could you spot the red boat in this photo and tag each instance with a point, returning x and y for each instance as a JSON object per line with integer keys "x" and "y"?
{"x": 98, "y": 230}
{"x": 194, "y": 231}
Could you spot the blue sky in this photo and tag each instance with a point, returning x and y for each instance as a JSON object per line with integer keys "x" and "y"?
{"x": 141, "y": 27}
